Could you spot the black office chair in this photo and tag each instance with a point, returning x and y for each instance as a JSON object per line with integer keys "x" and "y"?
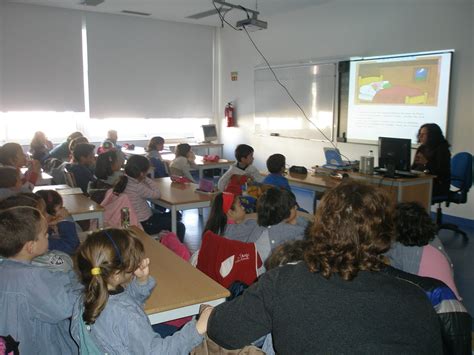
{"x": 461, "y": 178}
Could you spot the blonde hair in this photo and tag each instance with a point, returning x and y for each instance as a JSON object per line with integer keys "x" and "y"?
{"x": 112, "y": 251}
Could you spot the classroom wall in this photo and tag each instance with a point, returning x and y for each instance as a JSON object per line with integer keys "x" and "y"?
{"x": 339, "y": 29}
{"x": 1, "y": 46}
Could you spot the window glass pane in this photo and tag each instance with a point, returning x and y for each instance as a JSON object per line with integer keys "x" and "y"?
{"x": 21, "y": 126}
{"x": 144, "y": 129}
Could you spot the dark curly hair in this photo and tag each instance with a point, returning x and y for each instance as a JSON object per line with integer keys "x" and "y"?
{"x": 353, "y": 227}
{"x": 413, "y": 225}
{"x": 435, "y": 136}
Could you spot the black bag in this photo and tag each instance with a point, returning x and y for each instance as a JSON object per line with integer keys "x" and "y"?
{"x": 294, "y": 169}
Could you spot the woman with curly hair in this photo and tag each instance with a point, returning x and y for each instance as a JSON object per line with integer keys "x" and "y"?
{"x": 434, "y": 157}
{"x": 336, "y": 300}
{"x": 417, "y": 249}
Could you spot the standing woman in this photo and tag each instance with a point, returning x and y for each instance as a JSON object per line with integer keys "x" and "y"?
{"x": 434, "y": 157}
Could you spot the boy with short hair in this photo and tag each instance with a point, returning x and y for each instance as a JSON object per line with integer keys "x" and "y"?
{"x": 276, "y": 167}
{"x": 36, "y": 303}
{"x": 244, "y": 157}
{"x": 84, "y": 160}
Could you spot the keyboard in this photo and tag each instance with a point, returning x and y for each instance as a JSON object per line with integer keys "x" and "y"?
{"x": 398, "y": 173}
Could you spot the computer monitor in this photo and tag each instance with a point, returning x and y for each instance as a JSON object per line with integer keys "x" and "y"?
{"x": 394, "y": 153}
{"x": 210, "y": 132}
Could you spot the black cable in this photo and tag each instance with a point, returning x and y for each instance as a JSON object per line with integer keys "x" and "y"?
{"x": 276, "y": 77}
{"x": 246, "y": 11}
{"x": 289, "y": 94}
{"x": 223, "y": 19}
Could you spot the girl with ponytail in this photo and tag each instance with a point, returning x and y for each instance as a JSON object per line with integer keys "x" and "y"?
{"x": 140, "y": 189}
{"x": 226, "y": 209}
{"x": 116, "y": 282}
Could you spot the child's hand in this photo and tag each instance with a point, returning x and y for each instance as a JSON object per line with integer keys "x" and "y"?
{"x": 201, "y": 324}
{"x": 62, "y": 213}
{"x": 143, "y": 271}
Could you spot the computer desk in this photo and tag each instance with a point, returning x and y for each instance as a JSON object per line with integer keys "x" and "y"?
{"x": 180, "y": 288}
{"x": 416, "y": 189}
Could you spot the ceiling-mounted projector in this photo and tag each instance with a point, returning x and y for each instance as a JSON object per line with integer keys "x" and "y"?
{"x": 252, "y": 24}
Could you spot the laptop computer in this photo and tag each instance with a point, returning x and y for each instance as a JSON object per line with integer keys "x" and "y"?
{"x": 334, "y": 159}
{"x": 205, "y": 185}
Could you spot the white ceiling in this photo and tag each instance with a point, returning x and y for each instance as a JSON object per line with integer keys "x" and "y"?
{"x": 178, "y": 10}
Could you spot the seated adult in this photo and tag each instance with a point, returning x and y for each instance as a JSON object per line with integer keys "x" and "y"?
{"x": 112, "y": 136}
{"x": 336, "y": 300}
{"x": 417, "y": 249}
{"x": 433, "y": 156}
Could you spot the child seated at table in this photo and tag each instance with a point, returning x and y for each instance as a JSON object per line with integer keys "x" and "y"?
{"x": 155, "y": 145}
{"x": 140, "y": 189}
{"x": 276, "y": 167}
{"x": 226, "y": 209}
{"x": 244, "y": 156}
{"x": 110, "y": 316}
{"x": 84, "y": 160}
{"x": 11, "y": 154}
{"x": 183, "y": 162}
{"x": 62, "y": 228}
{"x": 277, "y": 222}
{"x": 62, "y": 233}
{"x": 107, "y": 173}
{"x": 36, "y": 303}
{"x": 10, "y": 182}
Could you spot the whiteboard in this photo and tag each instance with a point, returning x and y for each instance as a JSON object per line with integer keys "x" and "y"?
{"x": 312, "y": 86}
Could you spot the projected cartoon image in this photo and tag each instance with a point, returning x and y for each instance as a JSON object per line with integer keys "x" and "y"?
{"x": 410, "y": 82}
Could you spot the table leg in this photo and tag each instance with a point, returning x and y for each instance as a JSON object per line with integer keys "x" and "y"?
{"x": 174, "y": 227}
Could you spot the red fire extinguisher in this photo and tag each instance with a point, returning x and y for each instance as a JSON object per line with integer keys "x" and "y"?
{"x": 229, "y": 114}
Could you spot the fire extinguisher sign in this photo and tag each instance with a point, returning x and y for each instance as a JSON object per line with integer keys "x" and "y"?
{"x": 234, "y": 75}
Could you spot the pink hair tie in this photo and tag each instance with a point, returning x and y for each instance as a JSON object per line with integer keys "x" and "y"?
{"x": 227, "y": 201}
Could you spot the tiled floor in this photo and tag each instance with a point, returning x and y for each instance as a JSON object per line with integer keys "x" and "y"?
{"x": 461, "y": 255}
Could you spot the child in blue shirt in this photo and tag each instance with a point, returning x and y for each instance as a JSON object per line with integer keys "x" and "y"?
{"x": 110, "y": 314}
{"x": 84, "y": 160}
{"x": 276, "y": 167}
{"x": 36, "y": 303}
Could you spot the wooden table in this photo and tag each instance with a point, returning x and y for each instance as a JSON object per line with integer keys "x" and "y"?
{"x": 417, "y": 189}
{"x": 175, "y": 197}
{"x": 136, "y": 151}
{"x": 83, "y": 208}
{"x": 202, "y": 165}
{"x": 202, "y": 145}
{"x": 61, "y": 189}
{"x": 180, "y": 288}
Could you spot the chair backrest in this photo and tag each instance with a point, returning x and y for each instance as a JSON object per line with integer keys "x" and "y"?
{"x": 461, "y": 171}
{"x": 461, "y": 177}
{"x": 70, "y": 179}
